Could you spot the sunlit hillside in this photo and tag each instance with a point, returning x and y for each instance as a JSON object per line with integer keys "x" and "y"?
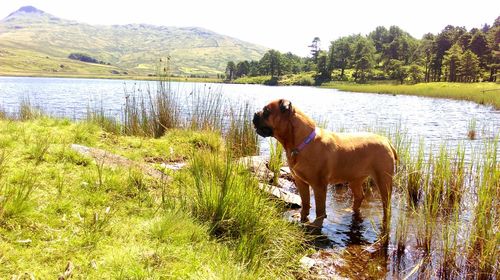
{"x": 32, "y": 41}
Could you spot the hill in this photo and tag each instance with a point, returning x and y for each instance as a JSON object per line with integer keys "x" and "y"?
{"x": 35, "y": 42}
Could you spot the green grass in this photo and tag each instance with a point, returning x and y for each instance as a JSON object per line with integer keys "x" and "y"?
{"x": 211, "y": 221}
{"x": 151, "y": 115}
{"x": 482, "y": 93}
{"x": 259, "y": 80}
{"x": 27, "y": 62}
{"x": 31, "y": 63}
{"x": 300, "y": 79}
{"x": 228, "y": 199}
{"x": 58, "y": 206}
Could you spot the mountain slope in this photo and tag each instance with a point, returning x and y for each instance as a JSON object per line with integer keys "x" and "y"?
{"x": 133, "y": 48}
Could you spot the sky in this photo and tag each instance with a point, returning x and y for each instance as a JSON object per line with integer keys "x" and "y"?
{"x": 278, "y": 24}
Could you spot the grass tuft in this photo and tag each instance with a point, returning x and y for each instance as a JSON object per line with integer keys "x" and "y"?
{"x": 228, "y": 199}
{"x": 275, "y": 160}
{"x": 16, "y": 194}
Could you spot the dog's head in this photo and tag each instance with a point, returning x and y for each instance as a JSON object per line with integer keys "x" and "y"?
{"x": 273, "y": 117}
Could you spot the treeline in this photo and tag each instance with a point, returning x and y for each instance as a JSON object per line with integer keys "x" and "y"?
{"x": 86, "y": 58}
{"x": 454, "y": 55}
{"x": 273, "y": 63}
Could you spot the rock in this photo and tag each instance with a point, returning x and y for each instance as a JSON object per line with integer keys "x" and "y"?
{"x": 258, "y": 166}
{"x": 280, "y": 193}
{"x": 110, "y": 159}
{"x": 173, "y": 166}
{"x": 307, "y": 263}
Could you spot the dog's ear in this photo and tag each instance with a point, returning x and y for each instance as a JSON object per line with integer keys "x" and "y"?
{"x": 285, "y": 105}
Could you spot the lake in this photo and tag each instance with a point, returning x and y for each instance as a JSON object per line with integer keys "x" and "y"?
{"x": 433, "y": 120}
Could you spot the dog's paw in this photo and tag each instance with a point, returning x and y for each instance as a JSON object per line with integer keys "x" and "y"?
{"x": 313, "y": 228}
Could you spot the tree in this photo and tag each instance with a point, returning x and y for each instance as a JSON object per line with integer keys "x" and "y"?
{"x": 254, "y": 68}
{"x": 479, "y": 46}
{"x": 395, "y": 44}
{"x": 451, "y": 60}
{"x": 464, "y": 40}
{"x": 242, "y": 69}
{"x": 425, "y": 52}
{"x": 230, "y": 70}
{"x": 469, "y": 66}
{"x": 291, "y": 64}
{"x": 493, "y": 37}
{"x": 397, "y": 70}
{"x": 324, "y": 72}
{"x": 340, "y": 53}
{"x": 315, "y": 48}
{"x": 415, "y": 73}
{"x": 363, "y": 59}
{"x": 379, "y": 38}
{"x": 270, "y": 64}
{"x": 443, "y": 42}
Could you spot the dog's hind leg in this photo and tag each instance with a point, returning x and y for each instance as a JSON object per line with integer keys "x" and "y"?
{"x": 384, "y": 184}
{"x": 305, "y": 197}
{"x": 356, "y": 187}
{"x": 383, "y": 180}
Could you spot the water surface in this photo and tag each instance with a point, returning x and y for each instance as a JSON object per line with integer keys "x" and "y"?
{"x": 431, "y": 119}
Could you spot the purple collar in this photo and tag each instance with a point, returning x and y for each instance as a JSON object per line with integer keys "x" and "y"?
{"x": 302, "y": 145}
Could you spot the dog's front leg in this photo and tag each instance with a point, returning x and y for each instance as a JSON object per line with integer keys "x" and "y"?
{"x": 320, "y": 202}
{"x": 305, "y": 197}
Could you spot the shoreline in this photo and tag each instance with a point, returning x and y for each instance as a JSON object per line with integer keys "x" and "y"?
{"x": 485, "y": 93}
{"x": 111, "y": 77}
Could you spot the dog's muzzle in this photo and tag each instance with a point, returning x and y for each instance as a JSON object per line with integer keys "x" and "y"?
{"x": 260, "y": 127}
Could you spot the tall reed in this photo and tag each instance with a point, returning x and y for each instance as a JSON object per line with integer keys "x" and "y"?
{"x": 483, "y": 253}
{"x": 27, "y": 111}
{"x": 453, "y": 208}
{"x": 401, "y": 232}
{"x": 415, "y": 178}
{"x": 450, "y": 247}
{"x": 208, "y": 110}
{"x": 150, "y": 113}
{"x": 3, "y": 162}
{"x": 241, "y": 136}
{"x": 99, "y": 116}
{"x": 3, "y": 113}
{"x": 275, "y": 160}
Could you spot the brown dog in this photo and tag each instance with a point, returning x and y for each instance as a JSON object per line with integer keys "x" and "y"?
{"x": 318, "y": 157}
